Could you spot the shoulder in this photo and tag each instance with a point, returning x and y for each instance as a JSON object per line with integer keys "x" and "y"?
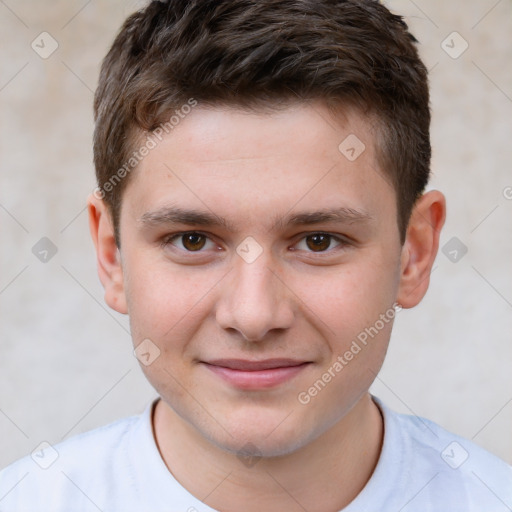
{"x": 447, "y": 465}
{"x": 450, "y": 452}
{"x": 68, "y": 469}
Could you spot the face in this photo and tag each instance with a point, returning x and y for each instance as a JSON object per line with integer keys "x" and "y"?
{"x": 254, "y": 253}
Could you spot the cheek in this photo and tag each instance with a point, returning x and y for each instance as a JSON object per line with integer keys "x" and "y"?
{"x": 355, "y": 313}
{"x": 352, "y": 298}
{"x": 165, "y": 302}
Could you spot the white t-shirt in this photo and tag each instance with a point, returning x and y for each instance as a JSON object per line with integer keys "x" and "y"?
{"x": 118, "y": 468}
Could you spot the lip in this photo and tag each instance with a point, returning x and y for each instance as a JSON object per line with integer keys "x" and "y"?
{"x": 253, "y": 375}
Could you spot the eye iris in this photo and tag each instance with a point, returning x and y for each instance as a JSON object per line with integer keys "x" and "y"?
{"x": 318, "y": 242}
{"x": 193, "y": 241}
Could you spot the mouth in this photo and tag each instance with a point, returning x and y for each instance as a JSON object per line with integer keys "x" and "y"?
{"x": 254, "y": 375}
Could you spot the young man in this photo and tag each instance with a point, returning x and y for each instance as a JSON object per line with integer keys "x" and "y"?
{"x": 261, "y": 217}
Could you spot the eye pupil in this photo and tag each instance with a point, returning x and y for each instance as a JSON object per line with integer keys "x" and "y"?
{"x": 193, "y": 241}
{"x": 318, "y": 242}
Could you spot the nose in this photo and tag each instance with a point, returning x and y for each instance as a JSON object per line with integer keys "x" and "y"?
{"x": 254, "y": 300}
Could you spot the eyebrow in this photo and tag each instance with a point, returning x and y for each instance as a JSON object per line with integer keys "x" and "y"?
{"x": 174, "y": 215}
{"x": 341, "y": 215}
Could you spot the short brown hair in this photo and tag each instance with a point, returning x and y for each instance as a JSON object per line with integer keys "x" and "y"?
{"x": 261, "y": 53}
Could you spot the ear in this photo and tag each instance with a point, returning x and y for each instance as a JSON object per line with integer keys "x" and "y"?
{"x": 420, "y": 247}
{"x": 108, "y": 256}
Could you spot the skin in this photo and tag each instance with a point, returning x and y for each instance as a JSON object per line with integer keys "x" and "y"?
{"x": 297, "y": 300}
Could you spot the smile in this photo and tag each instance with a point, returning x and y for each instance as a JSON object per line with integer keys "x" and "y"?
{"x": 254, "y": 375}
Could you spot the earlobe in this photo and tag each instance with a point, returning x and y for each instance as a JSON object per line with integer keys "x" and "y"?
{"x": 420, "y": 248}
{"x": 110, "y": 270}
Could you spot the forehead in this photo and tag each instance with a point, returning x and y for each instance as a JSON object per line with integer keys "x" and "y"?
{"x": 248, "y": 164}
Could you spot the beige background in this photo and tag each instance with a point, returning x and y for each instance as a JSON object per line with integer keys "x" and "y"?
{"x": 66, "y": 363}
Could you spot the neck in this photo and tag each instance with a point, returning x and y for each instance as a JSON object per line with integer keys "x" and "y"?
{"x": 326, "y": 474}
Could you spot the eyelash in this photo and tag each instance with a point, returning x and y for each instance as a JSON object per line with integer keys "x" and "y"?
{"x": 342, "y": 241}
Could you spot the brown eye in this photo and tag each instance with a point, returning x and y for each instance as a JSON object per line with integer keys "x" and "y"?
{"x": 318, "y": 242}
{"x": 189, "y": 244}
{"x": 193, "y": 241}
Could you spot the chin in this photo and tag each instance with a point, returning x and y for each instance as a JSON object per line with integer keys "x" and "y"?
{"x": 264, "y": 435}
{"x": 257, "y": 446}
